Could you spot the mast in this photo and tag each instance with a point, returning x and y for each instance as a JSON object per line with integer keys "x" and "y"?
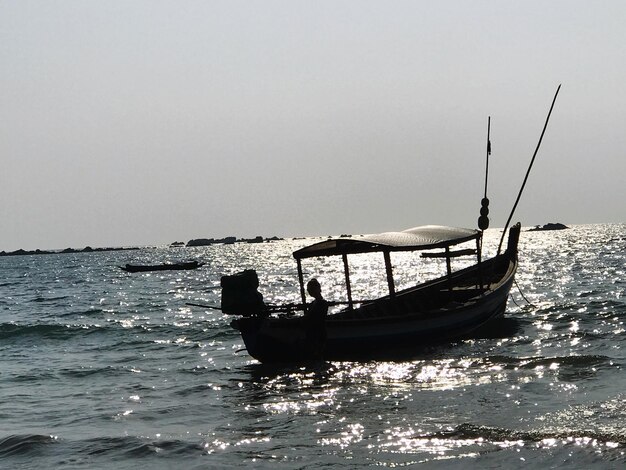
{"x": 483, "y": 220}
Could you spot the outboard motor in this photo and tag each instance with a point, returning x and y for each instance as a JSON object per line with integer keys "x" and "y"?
{"x": 240, "y": 295}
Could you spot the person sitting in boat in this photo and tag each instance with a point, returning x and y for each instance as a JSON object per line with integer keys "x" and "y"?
{"x": 315, "y": 318}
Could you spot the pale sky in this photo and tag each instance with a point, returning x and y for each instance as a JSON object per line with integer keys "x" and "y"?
{"x": 148, "y": 121}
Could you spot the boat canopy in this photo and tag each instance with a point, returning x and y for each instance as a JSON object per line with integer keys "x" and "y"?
{"x": 425, "y": 237}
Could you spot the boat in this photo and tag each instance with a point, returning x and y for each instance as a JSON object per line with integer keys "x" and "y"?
{"x": 438, "y": 311}
{"x": 447, "y": 308}
{"x": 135, "y": 268}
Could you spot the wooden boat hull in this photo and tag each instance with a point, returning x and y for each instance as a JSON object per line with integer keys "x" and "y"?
{"x": 387, "y": 326}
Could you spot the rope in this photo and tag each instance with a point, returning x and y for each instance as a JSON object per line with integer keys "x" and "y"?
{"x": 522, "y": 294}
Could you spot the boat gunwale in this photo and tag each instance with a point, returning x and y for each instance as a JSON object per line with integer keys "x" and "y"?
{"x": 441, "y": 310}
{"x": 344, "y": 316}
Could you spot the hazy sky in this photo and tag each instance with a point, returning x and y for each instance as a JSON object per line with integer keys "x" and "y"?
{"x": 145, "y": 122}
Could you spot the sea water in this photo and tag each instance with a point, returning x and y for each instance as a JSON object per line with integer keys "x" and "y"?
{"x": 105, "y": 369}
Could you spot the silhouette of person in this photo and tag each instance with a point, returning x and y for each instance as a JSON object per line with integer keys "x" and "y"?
{"x": 315, "y": 319}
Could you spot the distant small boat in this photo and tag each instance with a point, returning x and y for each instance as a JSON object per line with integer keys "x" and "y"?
{"x": 135, "y": 268}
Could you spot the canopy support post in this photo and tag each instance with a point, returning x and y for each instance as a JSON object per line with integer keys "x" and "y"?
{"x": 448, "y": 265}
{"x": 301, "y": 281}
{"x": 346, "y": 270}
{"x": 449, "y": 268}
{"x": 388, "y": 268}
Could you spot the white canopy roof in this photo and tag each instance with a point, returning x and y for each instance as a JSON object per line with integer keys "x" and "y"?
{"x": 425, "y": 237}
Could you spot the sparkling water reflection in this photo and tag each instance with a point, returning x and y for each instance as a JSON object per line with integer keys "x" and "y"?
{"x": 101, "y": 368}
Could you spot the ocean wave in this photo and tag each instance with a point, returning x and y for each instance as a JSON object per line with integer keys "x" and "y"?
{"x": 573, "y": 361}
{"x": 35, "y": 376}
{"x": 125, "y": 334}
{"x": 50, "y": 299}
{"x": 63, "y": 332}
{"x": 129, "y": 446}
{"x": 80, "y": 313}
{"x": 51, "y": 331}
{"x": 468, "y": 431}
{"x": 24, "y": 444}
{"x": 87, "y": 372}
{"x": 571, "y": 368}
{"x": 11, "y": 284}
{"x": 606, "y": 306}
{"x": 32, "y": 445}
{"x": 584, "y": 308}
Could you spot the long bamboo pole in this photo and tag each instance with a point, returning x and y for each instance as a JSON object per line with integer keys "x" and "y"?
{"x": 519, "y": 195}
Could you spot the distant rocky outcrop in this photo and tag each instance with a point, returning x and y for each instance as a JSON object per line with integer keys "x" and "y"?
{"x": 229, "y": 240}
{"x": 211, "y": 241}
{"x": 191, "y": 243}
{"x": 257, "y": 239}
{"x": 21, "y": 252}
{"x": 549, "y": 226}
{"x": 87, "y": 249}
